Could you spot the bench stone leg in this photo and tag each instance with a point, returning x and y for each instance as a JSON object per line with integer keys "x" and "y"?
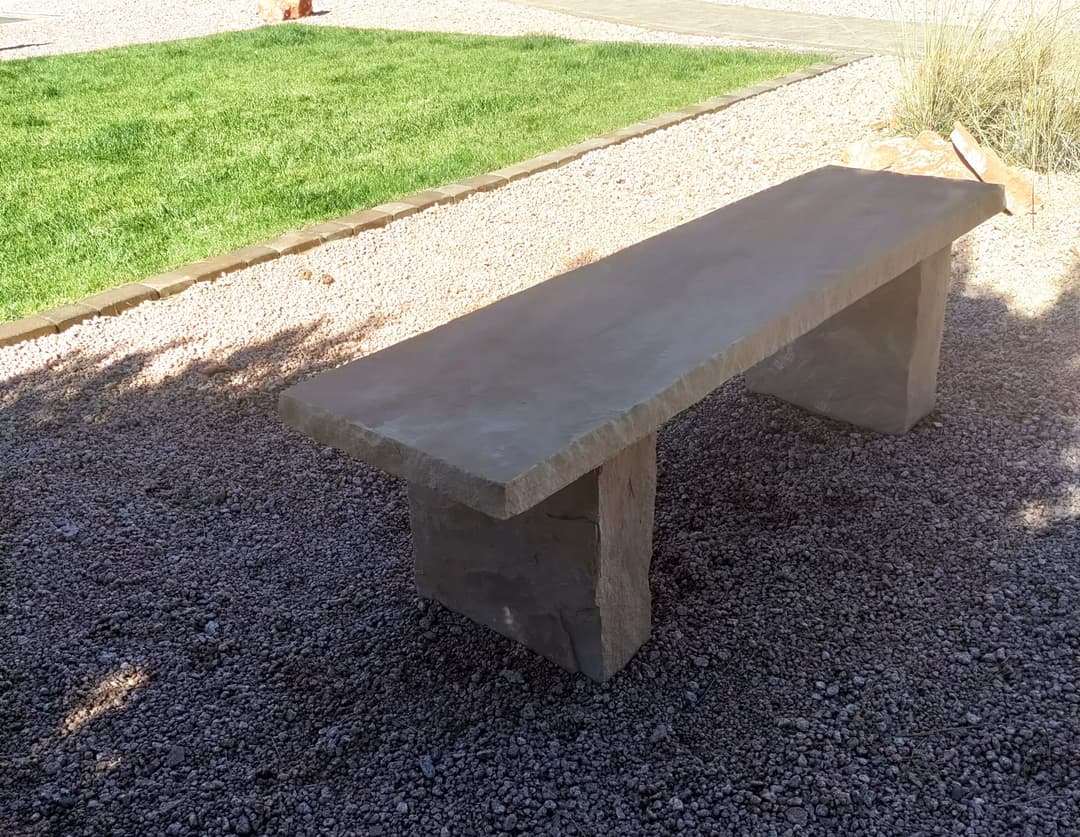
{"x": 875, "y": 363}
{"x": 569, "y": 578}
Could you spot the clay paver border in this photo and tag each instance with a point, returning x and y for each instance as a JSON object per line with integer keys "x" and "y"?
{"x": 115, "y": 300}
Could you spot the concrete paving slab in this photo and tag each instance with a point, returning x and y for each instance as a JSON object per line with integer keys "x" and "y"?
{"x": 848, "y": 35}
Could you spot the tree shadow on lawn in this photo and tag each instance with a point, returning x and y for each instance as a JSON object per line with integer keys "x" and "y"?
{"x": 209, "y": 615}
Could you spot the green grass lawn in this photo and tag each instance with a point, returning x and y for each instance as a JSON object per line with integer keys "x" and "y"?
{"x": 119, "y": 164}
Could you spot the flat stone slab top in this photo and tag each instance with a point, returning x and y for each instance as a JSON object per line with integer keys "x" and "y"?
{"x": 503, "y": 407}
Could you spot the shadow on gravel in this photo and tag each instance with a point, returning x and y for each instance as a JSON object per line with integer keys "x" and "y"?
{"x": 23, "y": 46}
{"x": 852, "y": 632}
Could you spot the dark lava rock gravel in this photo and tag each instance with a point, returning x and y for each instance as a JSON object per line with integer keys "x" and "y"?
{"x": 208, "y": 624}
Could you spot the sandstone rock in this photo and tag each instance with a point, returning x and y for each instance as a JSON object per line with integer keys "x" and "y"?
{"x": 274, "y": 11}
{"x": 1020, "y": 197}
{"x": 876, "y": 154}
{"x": 933, "y": 155}
{"x": 933, "y": 141}
{"x": 928, "y": 154}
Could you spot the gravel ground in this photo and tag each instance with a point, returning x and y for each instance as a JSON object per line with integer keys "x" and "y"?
{"x": 59, "y": 26}
{"x": 1001, "y": 11}
{"x": 209, "y": 625}
{"x": 80, "y": 25}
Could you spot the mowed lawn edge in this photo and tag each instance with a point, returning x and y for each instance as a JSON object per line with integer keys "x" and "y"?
{"x": 127, "y": 162}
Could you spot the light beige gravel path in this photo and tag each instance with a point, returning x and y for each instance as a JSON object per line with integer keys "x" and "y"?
{"x": 843, "y": 35}
{"x": 1001, "y": 11}
{"x": 61, "y": 26}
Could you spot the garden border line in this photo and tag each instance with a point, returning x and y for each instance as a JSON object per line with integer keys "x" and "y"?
{"x": 163, "y": 285}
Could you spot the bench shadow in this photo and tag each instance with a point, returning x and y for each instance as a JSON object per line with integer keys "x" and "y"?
{"x": 260, "y": 585}
{"x": 837, "y": 558}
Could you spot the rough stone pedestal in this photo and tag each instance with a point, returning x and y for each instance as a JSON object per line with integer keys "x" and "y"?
{"x": 568, "y": 578}
{"x": 875, "y": 363}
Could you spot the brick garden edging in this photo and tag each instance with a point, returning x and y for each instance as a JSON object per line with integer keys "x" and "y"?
{"x": 118, "y": 299}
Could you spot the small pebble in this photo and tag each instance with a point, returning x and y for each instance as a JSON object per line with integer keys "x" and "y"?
{"x": 797, "y": 815}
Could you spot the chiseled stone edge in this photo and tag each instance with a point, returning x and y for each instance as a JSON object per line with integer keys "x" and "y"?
{"x": 163, "y": 285}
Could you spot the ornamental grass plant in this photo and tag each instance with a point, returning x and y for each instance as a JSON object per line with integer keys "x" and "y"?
{"x": 1008, "y": 70}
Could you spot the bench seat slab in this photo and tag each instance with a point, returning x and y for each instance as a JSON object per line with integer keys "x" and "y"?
{"x": 568, "y": 578}
{"x": 503, "y": 407}
{"x": 874, "y": 364}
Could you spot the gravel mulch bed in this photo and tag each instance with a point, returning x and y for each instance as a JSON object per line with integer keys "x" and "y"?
{"x": 209, "y": 625}
{"x": 960, "y": 11}
{"x": 81, "y": 25}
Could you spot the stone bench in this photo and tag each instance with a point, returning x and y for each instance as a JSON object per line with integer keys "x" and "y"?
{"x": 527, "y": 429}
